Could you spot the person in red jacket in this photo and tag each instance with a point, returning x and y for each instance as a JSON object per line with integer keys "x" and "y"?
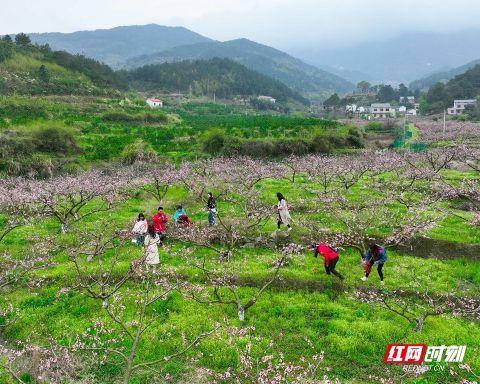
{"x": 330, "y": 256}
{"x": 160, "y": 221}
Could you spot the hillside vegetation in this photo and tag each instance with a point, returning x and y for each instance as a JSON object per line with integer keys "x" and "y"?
{"x": 443, "y": 76}
{"x": 221, "y": 77}
{"x": 299, "y": 76}
{"x": 464, "y": 86}
{"x": 37, "y": 70}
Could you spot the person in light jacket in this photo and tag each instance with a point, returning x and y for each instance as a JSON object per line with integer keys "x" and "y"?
{"x": 140, "y": 229}
{"x": 152, "y": 239}
{"x": 283, "y": 214}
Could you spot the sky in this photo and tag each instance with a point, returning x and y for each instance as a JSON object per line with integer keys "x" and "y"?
{"x": 283, "y": 24}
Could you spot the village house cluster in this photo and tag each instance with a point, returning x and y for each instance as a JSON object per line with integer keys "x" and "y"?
{"x": 407, "y": 106}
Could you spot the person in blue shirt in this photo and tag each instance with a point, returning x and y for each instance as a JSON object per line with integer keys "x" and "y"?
{"x": 374, "y": 255}
{"x": 180, "y": 216}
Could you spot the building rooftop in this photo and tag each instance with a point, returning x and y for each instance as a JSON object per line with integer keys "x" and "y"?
{"x": 381, "y": 105}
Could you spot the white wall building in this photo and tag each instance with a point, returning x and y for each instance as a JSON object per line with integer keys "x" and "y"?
{"x": 351, "y": 108}
{"x": 382, "y": 111}
{"x": 270, "y": 99}
{"x": 459, "y": 106}
{"x": 155, "y": 103}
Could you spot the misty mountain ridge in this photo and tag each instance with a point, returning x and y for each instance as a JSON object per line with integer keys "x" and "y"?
{"x": 114, "y": 46}
{"x": 442, "y": 76}
{"x": 400, "y": 59}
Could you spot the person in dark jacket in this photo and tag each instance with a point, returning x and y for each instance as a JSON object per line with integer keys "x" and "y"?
{"x": 374, "y": 255}
{"x": 330, "y": 256}
{"x": 212, "y": 209}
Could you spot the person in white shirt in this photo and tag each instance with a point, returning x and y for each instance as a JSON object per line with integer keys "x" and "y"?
{"x": 140, "y": 229}
{"x": 283, "y": 214}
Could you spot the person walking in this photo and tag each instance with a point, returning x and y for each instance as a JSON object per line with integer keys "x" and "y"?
{"x": 160, "y": 221}
{"x": 212, "y": 209}
{"x": 152, "y": 239}
{"x": 330, "y": 257}
{"x": 140, "y": 229}
{"x": 374, "y": 255}
{"x": 283, "y": 213}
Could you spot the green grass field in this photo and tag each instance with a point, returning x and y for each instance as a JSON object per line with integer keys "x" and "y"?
{"x": 303, "y": 312}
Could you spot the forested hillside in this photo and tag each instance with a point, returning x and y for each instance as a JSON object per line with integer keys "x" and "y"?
{"x": 114, "y": 46}
{"x": 221, "y": 77}
{"x": 299, "y": 76}
{"x": 37, "y": 70}
{"x": 443, "y": 76}
{"x": 464, "y": 86}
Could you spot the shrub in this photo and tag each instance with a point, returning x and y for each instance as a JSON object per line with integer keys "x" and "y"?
{"x": 258, "y": 148}
{"x": 118, "y": 117}
{"x": 321, "y": 144}
{"x": 213, "y": 141}
{"x": 232, "y": 146}
{"x": 155, "y": 118}
{"x": 55, "y": 140}
{"x": 138, "y": 152}
{"x": 374, "y": 126}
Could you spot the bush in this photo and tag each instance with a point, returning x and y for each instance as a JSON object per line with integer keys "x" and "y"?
{"x": 55, "y": 140}
{"x": 258, "y": 148}
{"x": 138, "y": 152}
{"x": 118, "y": 117}
{"x": 213, "y": 141}
{"x": 321, "y": 144}
{"x": 232, "y": 146}
{"x": 155, "y": 118}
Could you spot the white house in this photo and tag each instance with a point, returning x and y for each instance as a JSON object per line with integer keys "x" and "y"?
{"x": 155, "y": 103}
{"x": 351, "y": 108}
{"x": 412, "y": 112}
{"x": 402, "y": 109}
{"x": 267, "y": 98}
{"x": 460, "y": 105}
{"x": 382, "y": 110}
{"x": 407, "y": 100}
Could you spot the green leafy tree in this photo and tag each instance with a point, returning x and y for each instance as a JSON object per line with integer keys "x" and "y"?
{"x": 332, "y": 101}
{"x": 364, "y": 86}
{"x": 22, "y": 40}
{"x": 6, "y": 51}
{"x": 403, "y": 90}
{"x": 386, "y": 94}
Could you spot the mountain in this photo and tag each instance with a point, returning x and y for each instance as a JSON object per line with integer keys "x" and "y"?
{"x": 114, "y": 46}
{"x": 442, "y": 76}
{"x": 34, "y": 70}
{"x": 400, "y": 59}
{"x": 222, "y": 77}
{"x": 301, "y": 77}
